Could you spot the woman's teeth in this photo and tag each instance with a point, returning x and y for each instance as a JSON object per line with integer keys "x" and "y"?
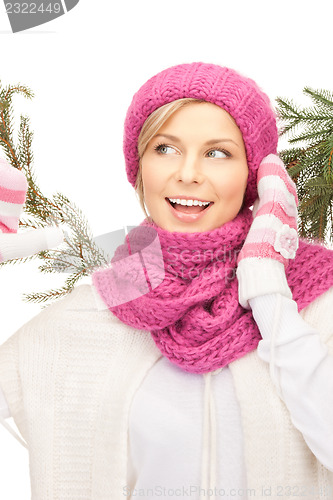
{"x": 188, "y": 210}
{"x": 189, "y": 203}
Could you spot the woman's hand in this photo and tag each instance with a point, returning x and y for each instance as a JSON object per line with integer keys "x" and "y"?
{"x": 13, "y": 189}
{"x": 272, "y": 239}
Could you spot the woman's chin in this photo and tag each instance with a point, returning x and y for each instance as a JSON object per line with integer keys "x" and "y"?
{"x": 173, "y": 225}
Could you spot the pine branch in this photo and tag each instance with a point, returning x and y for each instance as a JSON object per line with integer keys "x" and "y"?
{"x": 310, "y": 166}
{"x": 317, "y": 121}
{"x": 6, "y": 121}
{"x": 321, "y": 97}
{"x": 79, "y": 256}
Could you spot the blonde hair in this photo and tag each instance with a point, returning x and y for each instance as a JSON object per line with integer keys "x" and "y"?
{"x": 150, "y": 127}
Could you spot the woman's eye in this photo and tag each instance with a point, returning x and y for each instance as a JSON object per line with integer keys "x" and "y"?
{"x": 217, "y": 153}
{"x": 163, "y": 149}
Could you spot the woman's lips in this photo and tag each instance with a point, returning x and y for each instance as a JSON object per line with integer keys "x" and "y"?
{"x": 188, "y": 214}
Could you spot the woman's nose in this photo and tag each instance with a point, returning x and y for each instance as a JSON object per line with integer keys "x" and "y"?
{"x": 189, "y": 170}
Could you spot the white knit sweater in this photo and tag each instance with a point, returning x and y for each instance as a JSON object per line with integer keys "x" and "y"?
{"x": 70, "y": 375}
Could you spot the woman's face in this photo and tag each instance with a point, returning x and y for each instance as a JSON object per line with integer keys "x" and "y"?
{"x": 197, "y": 155}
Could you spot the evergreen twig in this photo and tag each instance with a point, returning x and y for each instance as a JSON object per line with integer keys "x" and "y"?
{"x": 79, "y": 255}
{"x": 310, "y": 164}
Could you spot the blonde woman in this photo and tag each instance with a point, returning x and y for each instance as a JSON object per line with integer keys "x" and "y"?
{"x": 199, "y": 362}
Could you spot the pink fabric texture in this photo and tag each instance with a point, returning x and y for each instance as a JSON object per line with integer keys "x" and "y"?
{"x": 239, "y": 96}
{"x": 274, "y": 230}
{"x": 11, "y": 177}
{"x": 264, "y": 249}
{"x": 272, "y": 168}
{"x": 11, "y": 195}
{"x": 13, "y": 187}
{"x": 194, "y": 315}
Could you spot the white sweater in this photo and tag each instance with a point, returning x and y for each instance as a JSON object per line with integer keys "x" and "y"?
{"x": 167, "y": 411}
{"x": 71, "y": 379}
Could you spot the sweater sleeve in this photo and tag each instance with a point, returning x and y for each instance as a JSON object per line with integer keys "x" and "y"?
{"x": 301, "y": 365}
{"x": 11, "y": 398}
{"x": 4, "y": 409}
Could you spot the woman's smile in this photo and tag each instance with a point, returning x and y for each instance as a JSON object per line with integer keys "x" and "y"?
{"x": 188, "y": 210}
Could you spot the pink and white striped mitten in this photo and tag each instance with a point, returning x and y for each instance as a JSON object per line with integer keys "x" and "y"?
{"x": 272, "y": 239}
{"x": 13, "y": 189}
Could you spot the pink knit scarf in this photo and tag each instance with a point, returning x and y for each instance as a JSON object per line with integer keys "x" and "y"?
{"x": 193, "y": 315}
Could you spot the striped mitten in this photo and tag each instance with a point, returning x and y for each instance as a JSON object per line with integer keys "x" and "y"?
{"x": 13, "y": 189}
{"x": 272, "y": 239}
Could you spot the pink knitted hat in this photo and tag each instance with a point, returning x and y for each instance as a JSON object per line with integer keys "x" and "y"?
{"x": 238, "y": 95}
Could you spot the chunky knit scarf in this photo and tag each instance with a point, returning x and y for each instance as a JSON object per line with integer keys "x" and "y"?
{"x": 193, "y": 313}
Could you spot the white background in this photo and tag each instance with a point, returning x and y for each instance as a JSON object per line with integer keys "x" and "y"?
{"x": 84, "y": 68}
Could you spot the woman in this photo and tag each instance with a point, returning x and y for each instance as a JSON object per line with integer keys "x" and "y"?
{"x": 155, "y": 381}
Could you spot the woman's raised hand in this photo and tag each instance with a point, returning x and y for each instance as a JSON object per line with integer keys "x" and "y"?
{"x": 13, "y": 245}
{"x": 273, "y": 238}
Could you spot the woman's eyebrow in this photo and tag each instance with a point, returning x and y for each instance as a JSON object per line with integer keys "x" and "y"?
{"x": 208, "y": 143}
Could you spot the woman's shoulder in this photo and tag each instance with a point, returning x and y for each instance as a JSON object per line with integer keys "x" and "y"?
{"x": 74, "y": 326}
{"x": 77, "y": 306}
{"x": 78, "y": 312}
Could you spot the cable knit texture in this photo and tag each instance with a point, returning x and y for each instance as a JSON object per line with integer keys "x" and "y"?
{"x": 239, "y": 96}
{"x": 194, "y": 315}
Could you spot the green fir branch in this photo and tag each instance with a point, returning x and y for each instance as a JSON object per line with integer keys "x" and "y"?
{"x": 310, "y": 165}
{"x": 323, "y": 98}
{"x": 79, "y": 255}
